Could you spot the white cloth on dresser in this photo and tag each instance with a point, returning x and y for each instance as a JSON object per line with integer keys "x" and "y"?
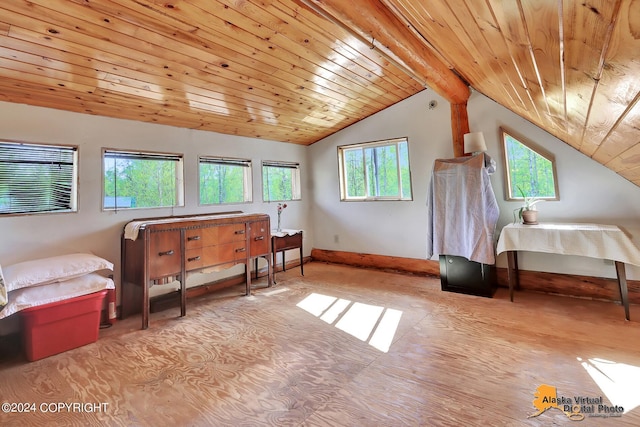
{"x": 462, "y": 209}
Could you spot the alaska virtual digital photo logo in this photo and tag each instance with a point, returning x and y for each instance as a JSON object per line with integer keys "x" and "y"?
{"x": 575, "y": 407}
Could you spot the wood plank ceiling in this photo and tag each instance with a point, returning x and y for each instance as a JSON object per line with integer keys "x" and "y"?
{"x": 299, "y": 70}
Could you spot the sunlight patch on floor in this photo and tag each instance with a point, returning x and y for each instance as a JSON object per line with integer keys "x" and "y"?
{"x": 618, "y": 381}
{"x": 369, "y": 323}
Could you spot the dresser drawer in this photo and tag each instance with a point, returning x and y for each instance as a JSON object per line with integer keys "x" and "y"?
{"x": 259, "y": 238}
{"x": 232, "y": 233}
{"x": 164, "y": 254}
{"x": 224, "y": 253}
{"x": 200, "y": 237}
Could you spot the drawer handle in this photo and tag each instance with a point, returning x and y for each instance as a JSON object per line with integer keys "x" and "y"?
{"x": 241, "y": 249}
{"x": 193, "y": 238}
{"x": 239, "y": 231}
{"x": 195, "y": 258}
{"x": 259, "y": 238}
{"x": 166, "y": 253}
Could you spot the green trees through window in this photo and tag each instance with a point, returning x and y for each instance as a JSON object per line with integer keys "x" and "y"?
{"x": 375, "y": 171}
{"x": 224, "y": 180}
{"x": 142, "y": 180}
{"x": 280, "y": 181}
{"x": 529, "y": 171}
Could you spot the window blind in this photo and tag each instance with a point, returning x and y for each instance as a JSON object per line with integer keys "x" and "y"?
{"x": 36, "y": 178}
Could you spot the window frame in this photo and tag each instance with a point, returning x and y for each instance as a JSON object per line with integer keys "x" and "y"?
{"x": 75, "y": 166}
{"x": 296, "y": 191}
{"x": 247, "y": 178}
{"x": 508, "y": 188}
{"x": 342, "y": 175}
{"x": 179, "y": 176}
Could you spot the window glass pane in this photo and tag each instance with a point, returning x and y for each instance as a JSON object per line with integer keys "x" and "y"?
{"x": 37, "y": 178}
{"x": 405, "y": 175}
{"x": 354, "y": 172}
{"x": 224, "y": 181}
{"x": 530, "y": 172}
{"x": 382, "y": 170}
{"x": 280, "y": 181}
{"x": 377, "y": 170}
{"x": 141, "y": 180}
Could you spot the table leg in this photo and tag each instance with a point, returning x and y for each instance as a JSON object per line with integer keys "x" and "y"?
{"x": 512, "y": 270}
{"x": 622, "y": 284}
{"x": 284, "y": 265}
{"x": 301, "y": 263}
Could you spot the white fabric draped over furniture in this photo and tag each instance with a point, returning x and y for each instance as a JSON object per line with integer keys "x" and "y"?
{"x": 462, "y": 209}
{"x": 590, "y": 240}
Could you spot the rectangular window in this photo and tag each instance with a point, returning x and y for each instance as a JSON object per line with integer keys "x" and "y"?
{"x": 375, "y": 171}
{"x": 37, "y": 178}
{"x": 224, "y": 180}
{"x": 280, "y": 181}
{"x": 142, "y": 180}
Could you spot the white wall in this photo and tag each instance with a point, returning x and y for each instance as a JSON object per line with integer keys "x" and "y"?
{"x": 588, "y": 191}
{"x": 91, "y": 229}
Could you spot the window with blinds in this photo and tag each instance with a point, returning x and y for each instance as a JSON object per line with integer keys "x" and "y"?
{"x": 142, "y": 180}
{"x": 280, "y": 181}
{"x": 38, "y": 178}
{"x": 224, "y": 180}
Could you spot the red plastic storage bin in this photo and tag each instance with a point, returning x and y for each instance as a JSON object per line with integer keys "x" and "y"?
{"x": 60, "y": 326}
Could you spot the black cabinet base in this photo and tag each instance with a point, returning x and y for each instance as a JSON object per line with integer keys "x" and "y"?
{"x": 458, "y": 274}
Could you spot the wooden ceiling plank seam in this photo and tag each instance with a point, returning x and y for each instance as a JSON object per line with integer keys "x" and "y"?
{"x": 294, "y": 65}
{"x": 4, "y": 28}
{"x": 335, "y": 81}
{"x": 146, "y": 61}
{"x": 378, "y": 22}
{"x": 370, "y": 41}
{"x": 346, "y": 80}
{"x": 458, "y": 36}
{"x": 541, "y": 21}
{"x": 493, "y": 38}
{"x": 49, "y": 58}
{"x": 168, "y": 99}
{"x": 125, "y": 103}
{"x": 444, "y": 32}
{"x": 195, "y": 55}
{"x": 617, "y": 85}
{"x": 408, "y": 23}
{"x": 581, "y": 55}
{"x": 360, "y": 55}
{"x": 478, "y": 56}
{"x": 351, "y": 58}
{"x": 293, "y": 85}
{"x": 590, "y": 148}
{"x": 617, "y": 143}
{"x": 519, "y": 57}
{"x": 207, "y": 22}
{"x": 373, "y": 61}
{"x": 563, "y": 64}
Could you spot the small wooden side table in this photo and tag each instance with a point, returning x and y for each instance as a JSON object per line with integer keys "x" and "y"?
{"x": 282, "y": 241}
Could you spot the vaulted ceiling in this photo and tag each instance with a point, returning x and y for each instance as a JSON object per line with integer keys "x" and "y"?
{"x": 299, "y": 70}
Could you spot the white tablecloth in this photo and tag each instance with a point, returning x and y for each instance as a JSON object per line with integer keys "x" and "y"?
{"x": 284, "y": 232}
{"x": 590, "y": 240}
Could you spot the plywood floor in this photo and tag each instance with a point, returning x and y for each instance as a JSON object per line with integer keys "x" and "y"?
{"x": 340, "y": 346}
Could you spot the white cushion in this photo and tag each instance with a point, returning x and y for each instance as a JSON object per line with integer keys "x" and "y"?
{"x": 54, "y": 292}
{"x": 50, "y": 270}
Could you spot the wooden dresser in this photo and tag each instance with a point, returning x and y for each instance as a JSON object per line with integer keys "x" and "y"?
{"x": 161, "y": 250}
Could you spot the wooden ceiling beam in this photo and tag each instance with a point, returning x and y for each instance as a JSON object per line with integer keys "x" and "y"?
{"x": 373, "y": 21}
